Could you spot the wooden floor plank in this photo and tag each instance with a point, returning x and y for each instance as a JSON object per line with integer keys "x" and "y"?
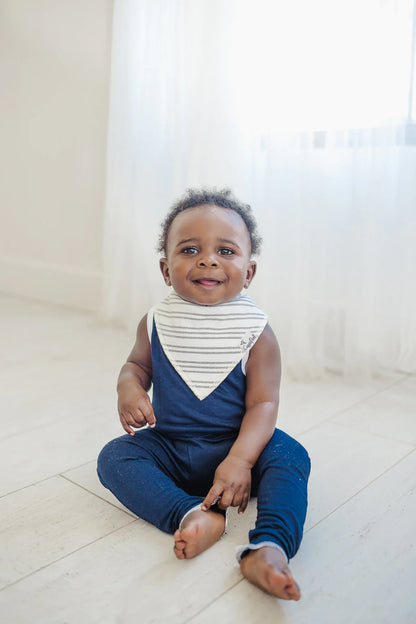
{"x": 47, "y": 521}
{"x": 391, "y": 413}
{"x": 86, "y": 477}
{"x": 343, "y": 462}
{"x": 305, "y": 404}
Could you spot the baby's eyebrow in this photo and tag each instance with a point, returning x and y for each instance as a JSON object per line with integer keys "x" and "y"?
{"x": 229, "y": 241}
{"x": 187, "y": 240}
{"x": 196, "y": 240}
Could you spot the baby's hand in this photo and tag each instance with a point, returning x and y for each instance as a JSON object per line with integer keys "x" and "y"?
{"x": 135, "y": 409}
{"x": 232, "y": 484}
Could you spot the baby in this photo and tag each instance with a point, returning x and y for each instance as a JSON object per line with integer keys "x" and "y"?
{"x": 208, "y": 441}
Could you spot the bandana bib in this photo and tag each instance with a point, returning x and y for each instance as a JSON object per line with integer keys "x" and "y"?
{"x": 205, "y": 343}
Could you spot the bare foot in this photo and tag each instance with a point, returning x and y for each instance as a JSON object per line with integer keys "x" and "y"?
{"x": 267, "y": 568}
{"x": 199, "y": 531}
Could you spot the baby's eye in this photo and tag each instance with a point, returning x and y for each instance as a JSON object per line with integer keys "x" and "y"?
{"x": 189, "y": 250}
{"x": 225, "y": 251}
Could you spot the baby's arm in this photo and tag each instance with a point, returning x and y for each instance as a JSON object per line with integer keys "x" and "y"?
{"x": 134, "y": 406}
{"x": 232, "y": 481}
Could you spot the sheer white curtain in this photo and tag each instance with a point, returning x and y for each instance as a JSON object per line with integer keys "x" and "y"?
{"x": 305, "y": 111}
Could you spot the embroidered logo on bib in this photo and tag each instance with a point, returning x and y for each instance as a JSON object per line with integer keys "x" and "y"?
{"x": 248, "y": 341}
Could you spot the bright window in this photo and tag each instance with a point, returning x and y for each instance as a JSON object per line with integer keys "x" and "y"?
{"x": 323, "y": 64}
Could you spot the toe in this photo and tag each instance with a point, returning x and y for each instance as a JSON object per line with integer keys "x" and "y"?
{"x": 291, "y": 589}
{"x": 180, "y": 554}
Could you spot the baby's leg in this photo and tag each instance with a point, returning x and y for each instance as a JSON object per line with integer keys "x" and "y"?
{"x": 142, "y": 472}
{"x": 280, "y": 479}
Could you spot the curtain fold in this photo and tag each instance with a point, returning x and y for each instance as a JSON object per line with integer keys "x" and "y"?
{"x": 257, "y": 96}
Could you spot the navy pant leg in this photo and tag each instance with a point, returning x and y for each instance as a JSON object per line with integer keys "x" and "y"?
{"x": 280, "y": 479}
{"x": 143, "y": 471}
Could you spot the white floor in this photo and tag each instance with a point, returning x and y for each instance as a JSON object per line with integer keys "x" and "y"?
{"x": 71, "y": 554}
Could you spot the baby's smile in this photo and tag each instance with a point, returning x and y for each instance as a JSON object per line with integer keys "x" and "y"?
{"x": 207, "y": 282}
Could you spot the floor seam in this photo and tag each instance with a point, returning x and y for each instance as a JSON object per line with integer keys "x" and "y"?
{"x": 44, "y": 567}
{"x": 212, "y": 601}
{"x": 126, "y": 511}
{"x": 364, "y": 487}
{"x": 52, "y": 476}
{"x": 25, "y": 487}
{"x": 373, "y": 433}
{"x": 346, "y": 409}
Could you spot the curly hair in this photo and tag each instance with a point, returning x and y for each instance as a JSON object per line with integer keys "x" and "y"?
{"x": 222, "y": 198}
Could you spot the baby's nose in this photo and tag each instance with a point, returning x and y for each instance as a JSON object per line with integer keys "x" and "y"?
{"x": 208, "y": 260}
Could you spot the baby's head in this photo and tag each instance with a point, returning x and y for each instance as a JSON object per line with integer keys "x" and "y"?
{"x": 208, "y": 239}
{"x": 203, "y": 197}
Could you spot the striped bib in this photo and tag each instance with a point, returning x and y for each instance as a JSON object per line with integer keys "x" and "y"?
{"x": 205, "y": 343}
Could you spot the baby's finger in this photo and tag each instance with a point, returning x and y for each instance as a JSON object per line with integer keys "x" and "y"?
{"x": 147, "y": 412}
{"x": 126, "y": 426}
{"x": 226, "y": 499}
{"x": 244, "y": 503}
{"x": 214, "y": 493}
{"x": 134, "y": 419}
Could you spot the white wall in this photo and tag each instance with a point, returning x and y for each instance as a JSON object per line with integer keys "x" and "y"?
{"x": 54, "y": 93}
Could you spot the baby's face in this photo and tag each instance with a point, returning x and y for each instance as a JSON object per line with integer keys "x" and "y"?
{"x": 208, "y": 255}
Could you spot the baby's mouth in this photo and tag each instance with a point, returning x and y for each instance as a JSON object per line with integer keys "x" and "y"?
{"x": 206, "y": 281}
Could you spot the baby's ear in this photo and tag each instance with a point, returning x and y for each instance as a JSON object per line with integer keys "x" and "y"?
{"x": 251, "y": 271}
{"x": 164, "y": 267}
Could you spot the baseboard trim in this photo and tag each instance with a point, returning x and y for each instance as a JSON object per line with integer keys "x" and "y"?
{"x": 53, "y": 283}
